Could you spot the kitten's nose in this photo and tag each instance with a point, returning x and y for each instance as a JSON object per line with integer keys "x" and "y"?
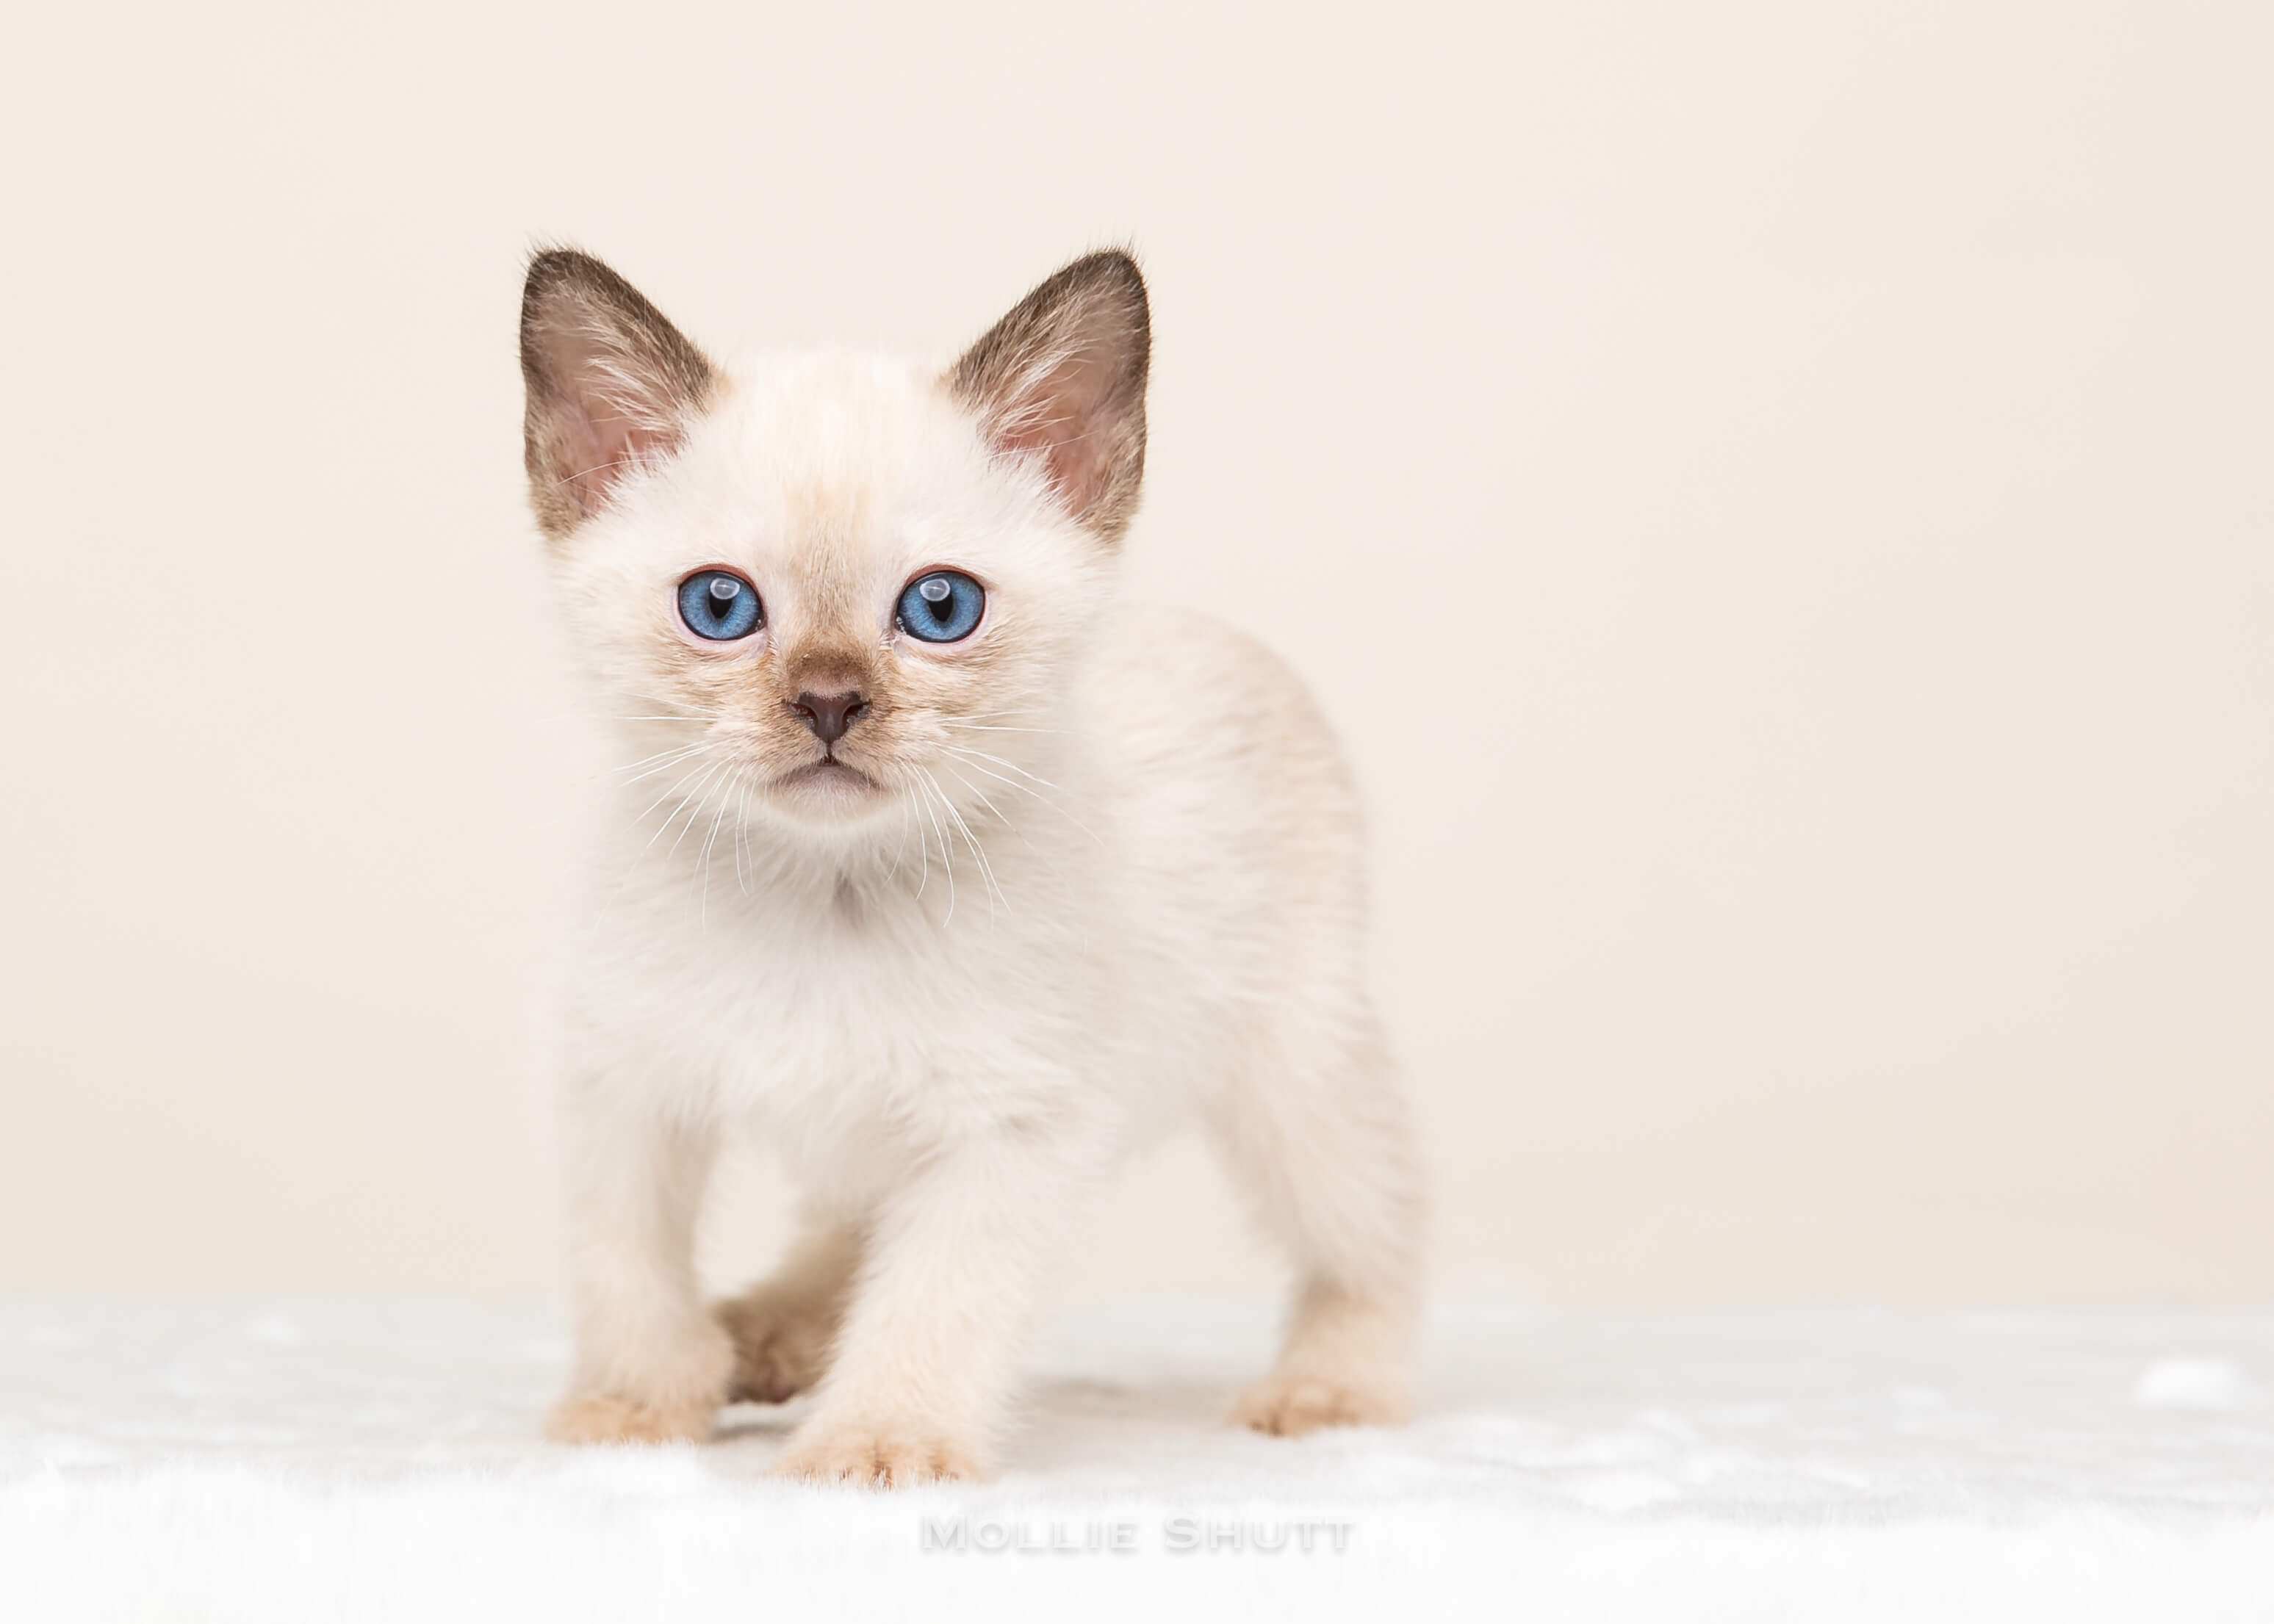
{"x": 829, "y": 714}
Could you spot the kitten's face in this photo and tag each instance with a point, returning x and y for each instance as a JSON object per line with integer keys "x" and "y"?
{"x": 846, "y": 587}
{"x": 756, "y": 580}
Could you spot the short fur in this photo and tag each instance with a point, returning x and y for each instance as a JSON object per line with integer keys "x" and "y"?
{"x": 1093, "y": 870}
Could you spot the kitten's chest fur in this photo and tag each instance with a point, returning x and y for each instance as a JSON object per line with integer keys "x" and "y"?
{"x": 853, "y": 991}
{"x": 1099, "y": 956}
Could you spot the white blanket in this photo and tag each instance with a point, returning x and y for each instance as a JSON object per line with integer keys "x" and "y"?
{"x": 377, "y": 1460}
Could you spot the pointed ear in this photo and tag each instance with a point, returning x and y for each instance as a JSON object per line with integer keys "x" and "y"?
{"x": 612, "y": 385}
{"x": 1062, "y": 376}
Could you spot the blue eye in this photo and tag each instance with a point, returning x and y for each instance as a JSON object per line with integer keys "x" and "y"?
{"x": 720, "y": 606}
{"x": 943, "y": 607}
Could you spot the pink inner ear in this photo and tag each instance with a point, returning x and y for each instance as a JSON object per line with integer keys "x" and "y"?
{"x": 600, "y": 450}
{"x": 612, "y": 385}
{"x": 1064, "y": 432}
{"x": 1061, "y": 413}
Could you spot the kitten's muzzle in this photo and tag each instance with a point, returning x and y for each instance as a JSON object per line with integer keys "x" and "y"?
{"x": 829, "y": 715}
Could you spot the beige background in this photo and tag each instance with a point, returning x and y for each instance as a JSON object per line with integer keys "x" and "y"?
{"x": 1776, "y": 498}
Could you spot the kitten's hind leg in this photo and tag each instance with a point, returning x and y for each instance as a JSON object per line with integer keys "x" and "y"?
{"x": 1317, "y": 1134}
{"x": 784, "y": 1326}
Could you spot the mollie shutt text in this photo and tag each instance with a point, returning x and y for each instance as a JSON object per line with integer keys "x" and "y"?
{"x": 1177, "y": 1535}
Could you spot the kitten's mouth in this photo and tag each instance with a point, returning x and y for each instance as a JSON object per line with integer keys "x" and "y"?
{"x": 827, "y": 773}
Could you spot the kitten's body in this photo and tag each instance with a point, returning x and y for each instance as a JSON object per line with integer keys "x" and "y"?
{"x": 1085, "y": 875}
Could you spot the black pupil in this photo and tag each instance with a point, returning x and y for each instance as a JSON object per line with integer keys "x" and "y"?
{"x": 944, "y": 610}
{"x": 722, "y": 596}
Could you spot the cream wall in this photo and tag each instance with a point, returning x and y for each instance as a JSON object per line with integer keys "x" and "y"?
{"x": 1777, "y": 499}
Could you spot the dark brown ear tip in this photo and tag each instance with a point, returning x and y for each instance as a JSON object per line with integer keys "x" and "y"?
{"x": 556, "y": 270}
{"x": 1115, "y": 268}
{"x": 549, "y": 266}
{"x": 553, "y": 272}
{"x": 1109, "y": 275}
{"x": 1120, "y": 262}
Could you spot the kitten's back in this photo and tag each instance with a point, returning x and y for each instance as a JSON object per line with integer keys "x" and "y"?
{"x": 1240, "y": 819}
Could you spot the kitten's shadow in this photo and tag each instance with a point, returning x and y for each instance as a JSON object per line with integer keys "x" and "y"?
{"x": 1079, "y": 1400}
{"x": 762, "y": 1423}
{"x": 1064, "y": 1409}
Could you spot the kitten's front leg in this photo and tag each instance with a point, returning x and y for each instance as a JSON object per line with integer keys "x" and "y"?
{"x": 651, "y": 1365}
{"x": 930, "y": 1346}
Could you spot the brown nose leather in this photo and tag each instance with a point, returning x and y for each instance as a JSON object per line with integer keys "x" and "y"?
{"x": 829, "y": 714}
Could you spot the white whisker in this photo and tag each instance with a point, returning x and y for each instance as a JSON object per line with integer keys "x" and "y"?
{"x": 924, "y": 850}
{"x": 672, "y": 815}
{"x": 742, "y": 834}
{"x": 709, "y": 841}
{"x": 986, "y": 868}
{"x": 946, "y": 857}
{"x": 901, "y": 850}
{"x": 663, "y": 759}
{"x": 1026, "y": 790}
{"x": 998, "y": 761}
{"x": 693, "y": 817}
{"x": 989, "y": 805}
{"x": 668, "y": 793}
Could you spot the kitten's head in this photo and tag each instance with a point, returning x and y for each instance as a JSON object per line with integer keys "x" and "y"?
{"x": 848, "y": 586}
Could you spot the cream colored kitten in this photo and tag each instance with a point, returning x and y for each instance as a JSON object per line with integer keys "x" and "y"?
{"x": 941, "y": 866}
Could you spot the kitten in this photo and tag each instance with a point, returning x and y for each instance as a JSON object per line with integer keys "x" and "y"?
{"x": 941, "y": 865}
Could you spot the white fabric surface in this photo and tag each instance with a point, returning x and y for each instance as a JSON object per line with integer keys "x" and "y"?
{"x": 297, "y": 1460}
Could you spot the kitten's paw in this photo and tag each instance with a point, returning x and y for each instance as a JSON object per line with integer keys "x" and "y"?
{"x": 605, "y": 1418}
{"x": 1289, "y": 1404}
{"x": 781, "y": 1348}
{"x": 876, "y": 1457}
